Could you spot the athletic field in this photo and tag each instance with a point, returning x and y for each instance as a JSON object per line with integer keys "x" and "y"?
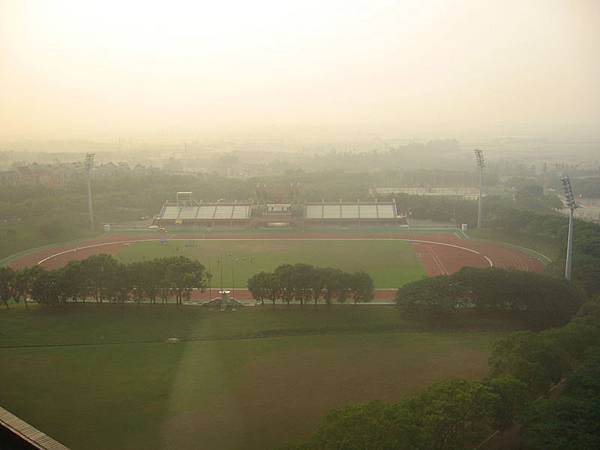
{"x": 103, "y": 377}
{"x": 390, "y": 263}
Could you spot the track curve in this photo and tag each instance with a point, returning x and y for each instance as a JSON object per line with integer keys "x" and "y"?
{"x": 440, "y": 254}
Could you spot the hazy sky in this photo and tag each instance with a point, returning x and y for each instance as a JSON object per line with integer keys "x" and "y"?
{"x": 188, "y": 69}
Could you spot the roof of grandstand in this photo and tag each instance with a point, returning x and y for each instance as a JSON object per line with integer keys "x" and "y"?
{"x": 350, "y": 211}
{"x": 465, "y": 192}
{"x": 208, "y": 211}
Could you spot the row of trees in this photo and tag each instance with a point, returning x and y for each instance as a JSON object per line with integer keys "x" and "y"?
{"x": 586, "y": 249}
{"x": 102, "y": 278}
{"x": 304, "y": 283}
{"x": 460, "y": 414}
{"x": 456, "y": 414}
{"x": 571, "y": 421}
{"x": 548, "y": 299}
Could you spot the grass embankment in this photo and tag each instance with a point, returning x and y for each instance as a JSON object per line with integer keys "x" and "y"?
{"x": 23, "y": 237}
{"x": 549, "y": 248}
{"x": 255, "y": 378}
{"x": 390, "y": 263}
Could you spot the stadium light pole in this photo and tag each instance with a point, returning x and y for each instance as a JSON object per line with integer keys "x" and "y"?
{"x": 89, "y": 165}
{"x": 481, "y": 164}
{"x": 570, "y": 200}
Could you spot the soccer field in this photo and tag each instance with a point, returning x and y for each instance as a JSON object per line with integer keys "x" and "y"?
{"x": 390, "y": 263}
{"x": 103, "y": 377}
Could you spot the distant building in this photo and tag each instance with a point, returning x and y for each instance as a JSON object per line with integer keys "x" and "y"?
{"x": 278, "y": 209}
{"x": 468, "y": 193}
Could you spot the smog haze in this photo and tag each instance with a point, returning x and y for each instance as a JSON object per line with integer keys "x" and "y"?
{"x": 413, "y": 69}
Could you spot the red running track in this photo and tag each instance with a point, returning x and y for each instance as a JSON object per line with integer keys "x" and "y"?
{"x": 440, "y": 254}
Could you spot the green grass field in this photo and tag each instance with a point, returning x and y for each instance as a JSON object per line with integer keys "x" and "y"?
{"x": 390, "y": 263}
{"x": 99, "y": 377}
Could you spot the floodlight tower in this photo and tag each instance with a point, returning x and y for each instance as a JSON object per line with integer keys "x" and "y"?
{"x": 89, "y": 165}
{"x": 570, "y": 200}
{"x": 481, "y": 164}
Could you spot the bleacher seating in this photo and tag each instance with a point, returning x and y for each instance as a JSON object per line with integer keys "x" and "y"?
{"x": 368, "y": 211}
{"x": 241, "y": 212}
{"x": 188, "y": 212}
{"x": 223, "y": 212}
{"x": 331, "y": 211}
{"x": 170, "y": 212}
{"x": 210, "y": 214}
{"x": 386, "y": 211}
{"x": 205, "y": 213}
{"x": 314, "y": 211}
{"x": 350, "y": 212}
{"x": 347, "y": 211}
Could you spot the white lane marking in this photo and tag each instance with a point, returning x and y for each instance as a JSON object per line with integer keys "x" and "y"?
{"x": 133, "y": 241}
{"x": 439, "y": 261}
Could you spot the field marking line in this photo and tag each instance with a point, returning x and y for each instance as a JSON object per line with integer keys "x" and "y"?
{"x": 528, "y": 251}
{"x": 133, "y": 241}
{"x": 438, "y": 261}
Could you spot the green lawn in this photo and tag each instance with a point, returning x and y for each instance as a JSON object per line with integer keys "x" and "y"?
{"x": 546, "y": 246}
{"x": 390, "y": 263}
{"x": 254, "y": 379}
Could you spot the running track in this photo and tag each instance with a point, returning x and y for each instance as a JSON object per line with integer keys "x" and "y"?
{"x": 440, "y": 254}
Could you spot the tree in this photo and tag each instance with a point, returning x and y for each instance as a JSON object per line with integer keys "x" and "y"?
{"x": 573, "y": 420}
{"x": 182, "y": 275}
{"x": 303, "y": 282}
{"x": 258, "y": 286}
{"x": 447, "y": 416}
{"x": 332, "y": 279}
{"x": 344, "y": 283}
{"x": 436, "y": 295}
{"x": 120, "y": 284}
{"x": 371, "y": 426}
{"x": 451, "y": 413}
{"x": 137, "y": 277}
{"x": 24, "y": 281}
{"x": 545, "y": 299}
{"x": 512, "y": 399}
{"x": 47, "y": 289}
{"x": 285, "y": 277}
{"x": 528, "y": 358}
{"x": 301, "y": 276}
{"x": 98, "y": 271}
{"x": 361, "y": 287}
{"x": 316, "y": 284}
{"x": 272, "y": 287}
{"x": 564, "y": 424}
{"x": 73, "y": 281}
{"x": 7, "y": 284}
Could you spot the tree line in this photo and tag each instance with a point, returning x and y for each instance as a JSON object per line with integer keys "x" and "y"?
{"x": 101, "y": 278}
{"x": 586, "y": 245}
{"x": 546, "y": 299}
{"x": 459, "y": 413}
{"x": 520, "y": 219}
{"x": 305, "y": 283}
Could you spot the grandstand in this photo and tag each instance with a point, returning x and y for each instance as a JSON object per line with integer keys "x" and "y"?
{"x": 344, "y": 213}
{"x": 186, "y": 211}
{"x": 467, "y": 193}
